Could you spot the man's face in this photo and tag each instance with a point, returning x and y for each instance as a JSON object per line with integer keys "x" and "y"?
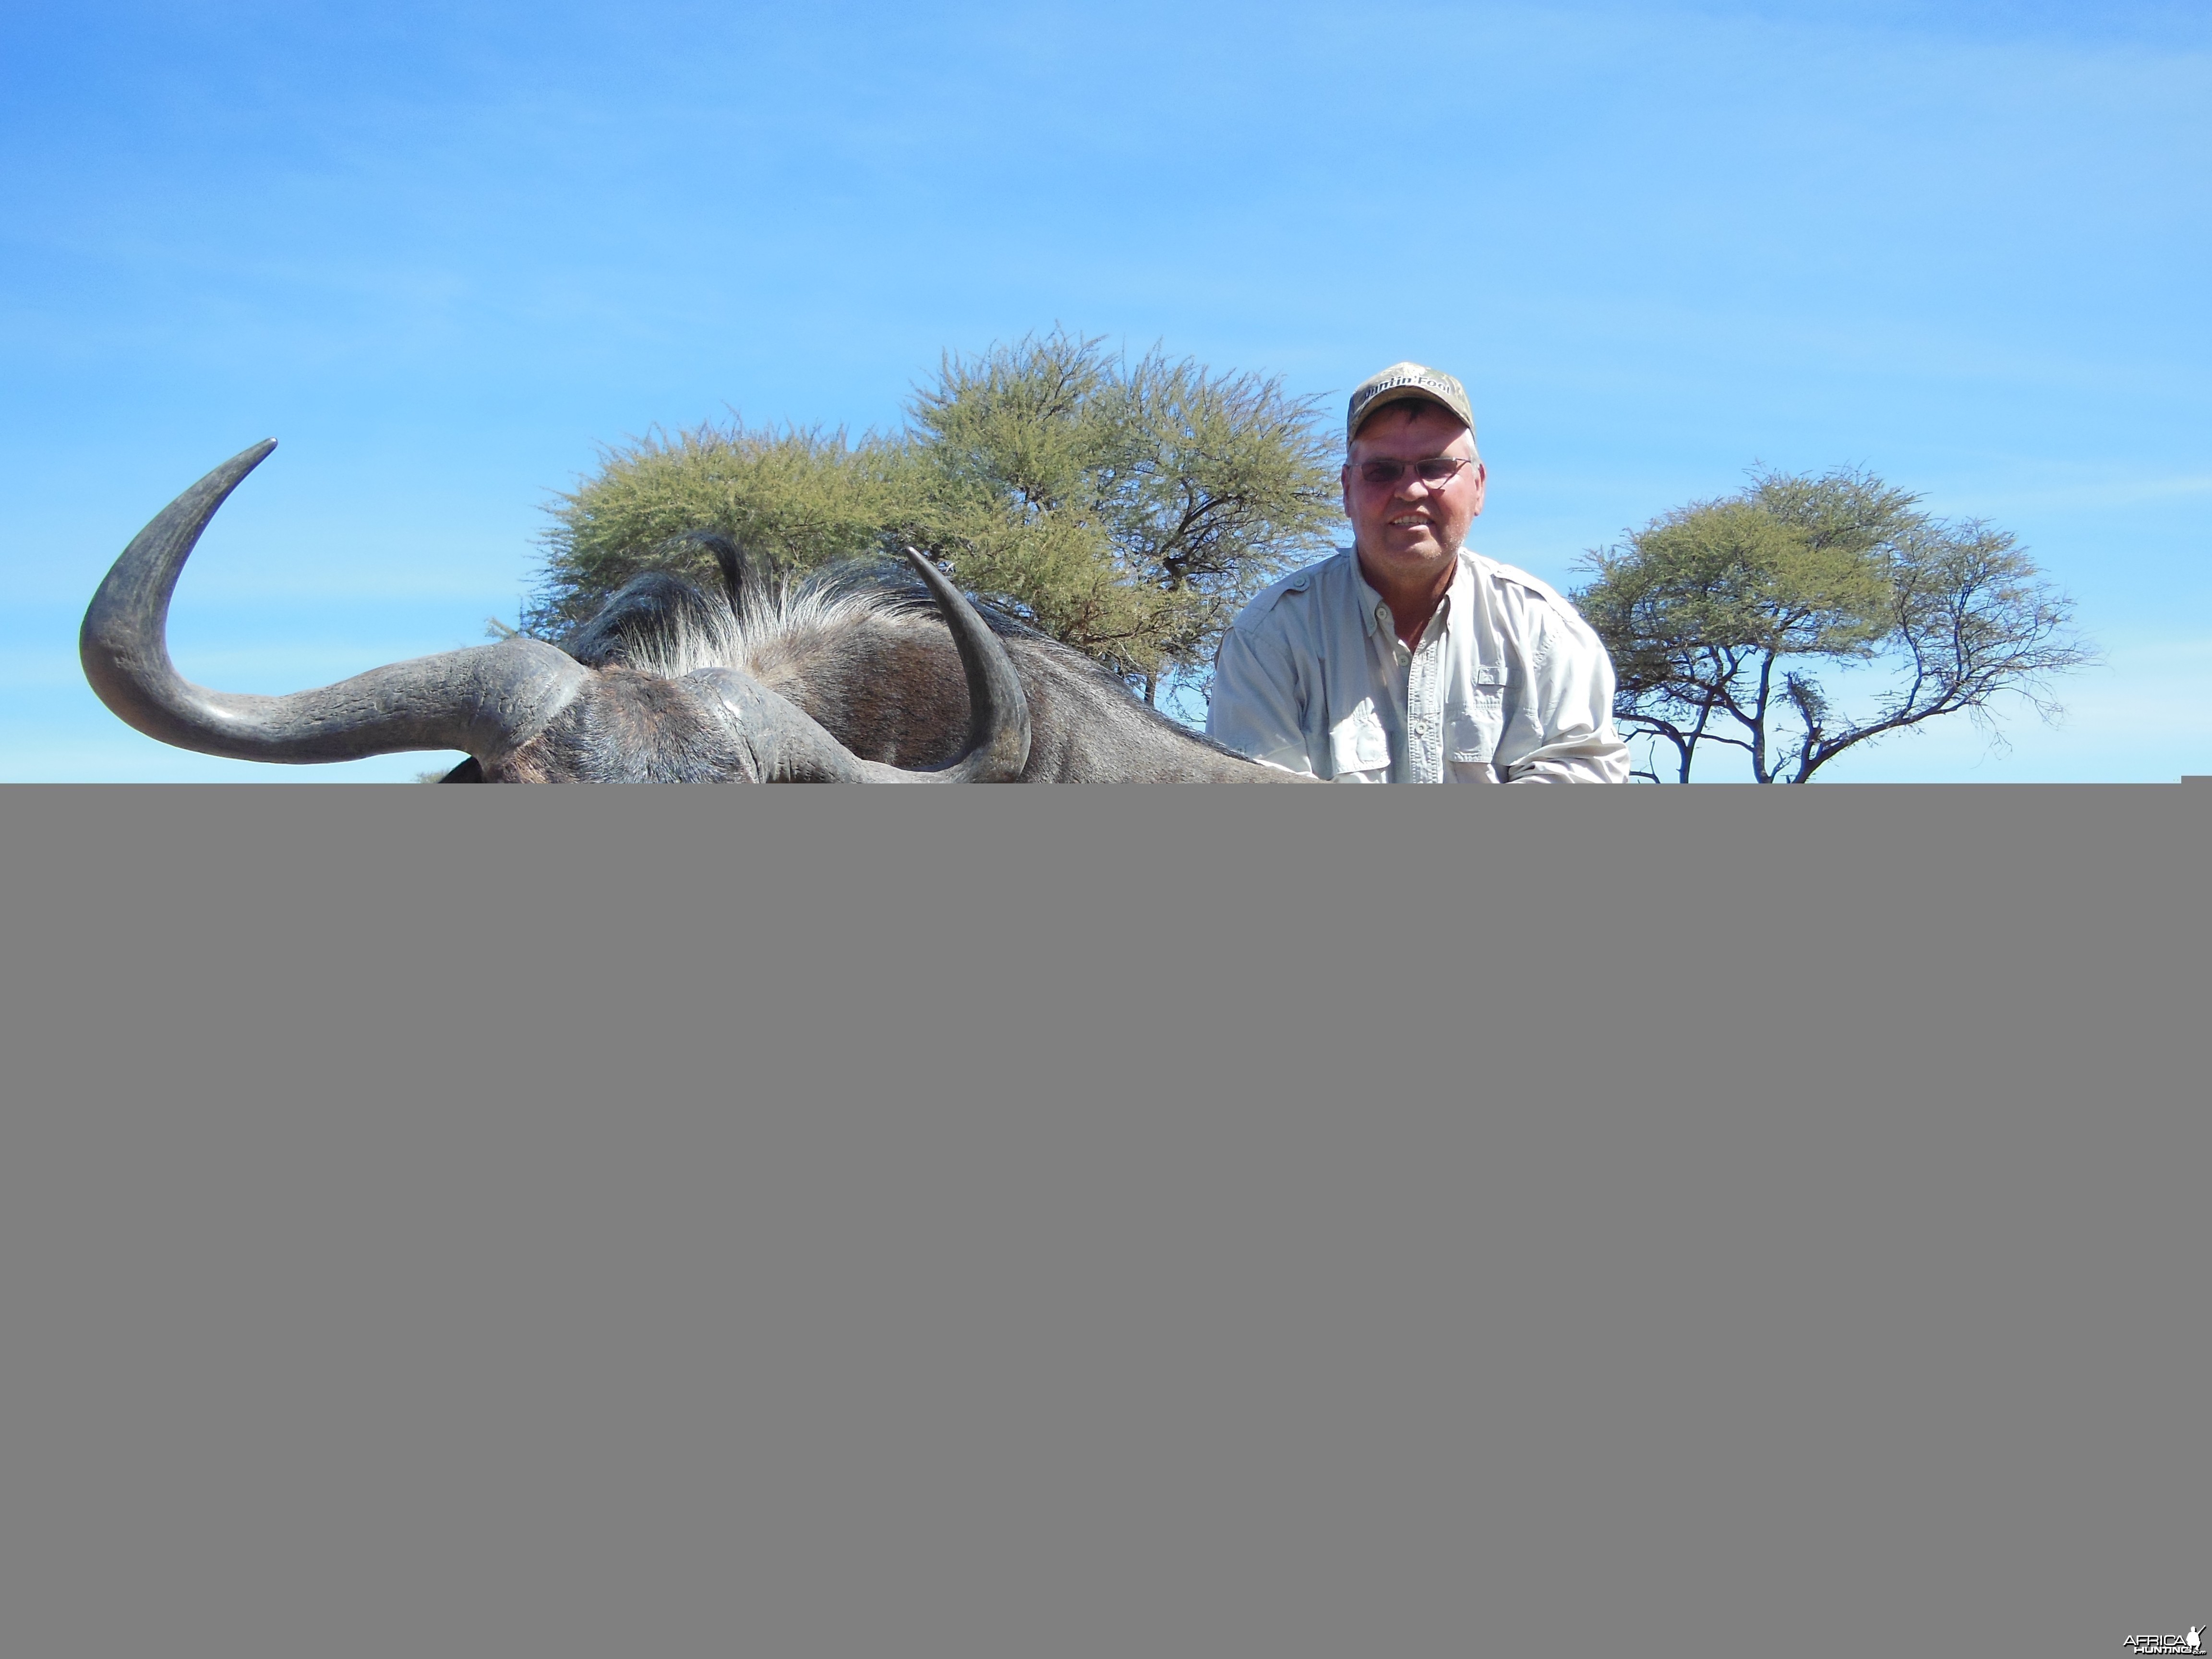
{"x": 1410, "y": 528}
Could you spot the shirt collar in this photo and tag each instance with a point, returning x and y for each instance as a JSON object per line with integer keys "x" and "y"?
{"x": 1374, "y": 611}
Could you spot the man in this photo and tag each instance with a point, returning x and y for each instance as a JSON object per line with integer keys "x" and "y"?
{"x": 1407, "y": 658}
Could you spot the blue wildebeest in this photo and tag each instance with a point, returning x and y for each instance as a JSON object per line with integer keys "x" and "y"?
{"x": 846, "y": 679}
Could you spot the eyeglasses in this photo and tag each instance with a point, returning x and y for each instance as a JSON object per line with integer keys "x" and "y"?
{"x": 1436, "y": 471}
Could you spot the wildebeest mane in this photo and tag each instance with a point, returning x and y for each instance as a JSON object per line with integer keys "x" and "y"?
{"x": 859, "y": 646}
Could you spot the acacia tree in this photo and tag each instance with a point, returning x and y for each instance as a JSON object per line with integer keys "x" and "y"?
{"x": 1125, "y": 507}
{"x": 1718, "y": 613}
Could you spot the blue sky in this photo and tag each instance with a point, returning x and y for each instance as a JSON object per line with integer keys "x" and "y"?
{"x": 443, "y": 252}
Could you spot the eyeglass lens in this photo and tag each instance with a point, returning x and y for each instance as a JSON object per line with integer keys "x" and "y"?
{"x": 1433, "y": 470}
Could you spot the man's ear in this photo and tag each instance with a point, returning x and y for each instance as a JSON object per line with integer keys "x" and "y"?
{"x": 1344, "y": 488}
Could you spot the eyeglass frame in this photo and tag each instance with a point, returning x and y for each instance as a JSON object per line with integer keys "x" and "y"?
{"x": 1399, "y": 470}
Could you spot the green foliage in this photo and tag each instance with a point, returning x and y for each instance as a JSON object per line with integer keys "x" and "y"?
{"x": 1128, "y": 508}
{"x": 1716, "y": 613}
{"x": 1731, "y": 573}
{"x": 1125, "y": 507}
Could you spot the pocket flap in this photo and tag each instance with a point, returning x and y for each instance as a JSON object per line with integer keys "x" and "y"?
{"x": 1357, "y": 744}
{"x": 1474, "y": 733}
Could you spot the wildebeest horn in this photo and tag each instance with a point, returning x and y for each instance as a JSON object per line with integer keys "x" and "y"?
{"x": 998, "y": 712}
{"x": 485, "y": 700}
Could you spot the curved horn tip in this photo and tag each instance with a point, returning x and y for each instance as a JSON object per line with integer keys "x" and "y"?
{"x": 931, "y": 575}
{"x": 475, "y": 700}
{"x": 131, "y": 606}
{"x": 242, "y": 463}
{"x": 999, "y": 734}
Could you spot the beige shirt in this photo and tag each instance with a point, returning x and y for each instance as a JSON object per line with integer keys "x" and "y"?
{"x": 1507, "y": 683}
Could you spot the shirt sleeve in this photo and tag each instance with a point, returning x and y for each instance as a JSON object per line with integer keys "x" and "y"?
{"x": 1575, "y": 742}
{"x": 1256, "y": 708}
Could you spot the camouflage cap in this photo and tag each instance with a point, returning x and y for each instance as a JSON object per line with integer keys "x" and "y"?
{"x": 1399, "y": 382}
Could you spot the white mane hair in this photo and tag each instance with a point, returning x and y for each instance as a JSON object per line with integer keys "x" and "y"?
{"x": 762, "y": 638}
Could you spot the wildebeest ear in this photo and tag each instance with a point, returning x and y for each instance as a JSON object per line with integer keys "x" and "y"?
{"x": 743, "y": 571}
{"x": 469, "y": 771}
{"x": 644, "y": 611}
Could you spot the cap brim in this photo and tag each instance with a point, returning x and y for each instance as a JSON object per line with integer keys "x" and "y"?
{"x": 1401, "y": 395}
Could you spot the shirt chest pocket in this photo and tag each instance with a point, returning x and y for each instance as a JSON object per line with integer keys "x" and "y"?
{"x": 1477, "y": 721}
{"x": 1358, "y": 744}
